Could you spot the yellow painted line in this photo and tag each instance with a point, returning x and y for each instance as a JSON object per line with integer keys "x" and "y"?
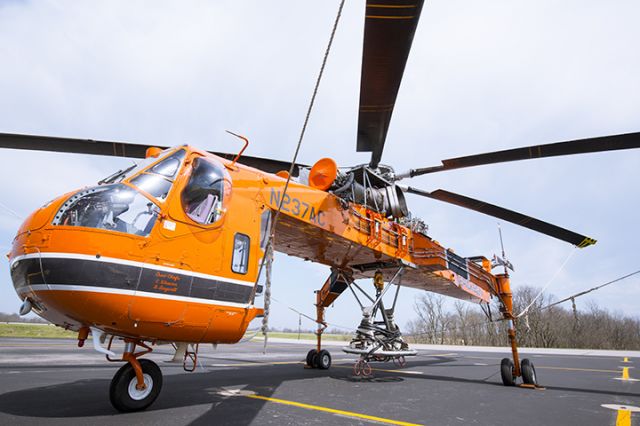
{"x": 331, "y": 410}
{"x": 623, "y": 418}
{"x": 40, "y": 345}
{"x": 411, "y": 372}
{"x": 625, "y": 373}
{"x": 578, "y": 369}
{"x": 389, "y": 17}
{"x": 256, "y": 364}
{"x": 397, "y": 371}
{"x": 482, "y": 357}
{"x": 392, "y": 6}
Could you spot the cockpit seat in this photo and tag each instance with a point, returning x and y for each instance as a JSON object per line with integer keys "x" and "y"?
{"x": 200, "y": 211}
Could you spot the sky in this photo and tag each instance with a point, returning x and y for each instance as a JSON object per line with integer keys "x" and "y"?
{"x": 483, "y": 75}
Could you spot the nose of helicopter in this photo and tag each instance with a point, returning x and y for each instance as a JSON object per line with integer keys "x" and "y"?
{"x": 54, "y": 265}
{"x": 25, "y": 261}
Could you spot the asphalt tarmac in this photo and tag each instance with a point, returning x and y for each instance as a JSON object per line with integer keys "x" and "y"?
{"x": 52, "y": 382}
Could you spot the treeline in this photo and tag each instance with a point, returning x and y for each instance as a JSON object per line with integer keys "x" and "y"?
{"x": 558, "y": 326}
{"x": 4, "y": 317}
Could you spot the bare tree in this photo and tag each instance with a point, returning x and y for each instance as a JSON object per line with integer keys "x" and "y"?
{"x": 540, "y": 326}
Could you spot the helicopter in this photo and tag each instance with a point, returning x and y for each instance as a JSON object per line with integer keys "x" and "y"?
{"x": 170, "y": 250}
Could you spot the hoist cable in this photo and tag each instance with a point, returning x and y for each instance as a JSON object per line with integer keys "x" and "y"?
{"x": 265, "y": 319}
{"x": 10, "y": 211}
{"x": 551, "y": 280}
{"x": 598, "y": 287}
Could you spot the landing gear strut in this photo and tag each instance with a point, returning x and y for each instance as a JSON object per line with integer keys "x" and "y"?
{"x": 331, "y": 289}
{"x": 511, "y": 370}
{"x": 136, "y": 384}
{"x": 125, "y": 393}
{"x": 378, "y": 340}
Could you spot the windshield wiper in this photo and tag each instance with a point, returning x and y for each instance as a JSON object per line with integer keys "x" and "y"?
{"x": 116, "y": 175}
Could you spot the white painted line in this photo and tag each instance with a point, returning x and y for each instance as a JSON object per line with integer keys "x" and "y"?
{"x": 488, "y": 349}
{"x": 622, "y": 407}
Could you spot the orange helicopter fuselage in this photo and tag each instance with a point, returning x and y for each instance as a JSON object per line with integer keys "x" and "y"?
{"x": 195, "y": 282}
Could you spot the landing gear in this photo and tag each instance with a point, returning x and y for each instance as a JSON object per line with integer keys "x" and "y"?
{"x": 310, "y": 357}
{"x": 332, "y": 288}
{"x": 319, "y": 359}
{"x": 374, "y": 340}
{"x": 125, "y": 393}
{"x": 362, "y": 368}
{"x": 322, "y": 360}
{"x": 511, "y": 370}
{"x": 507, "y": 372}
{"x": 136, "y": 384}
{"x": 528, "y": 373}
{"x": 378, "y": 340}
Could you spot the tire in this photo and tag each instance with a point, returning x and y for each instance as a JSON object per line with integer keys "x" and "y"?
{"x": 506, "y": 371}
{"x": 123, "y": 393}
{"x": 366, "y": 369}
{"x": 322, "y": 360}
{"x": 528, "y": 372}
{"x": 310, "y": 355}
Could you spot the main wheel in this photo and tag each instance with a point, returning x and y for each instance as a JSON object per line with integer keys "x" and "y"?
{"x": 506, "y": 371}
{"x": 322, "y": 360}
{"x": 124, "y": 394}
{"x": 528, "y": 372}
{"x": 310, "y": 355}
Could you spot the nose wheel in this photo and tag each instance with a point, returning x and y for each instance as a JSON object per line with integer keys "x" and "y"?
{"x": 127, "y": 395}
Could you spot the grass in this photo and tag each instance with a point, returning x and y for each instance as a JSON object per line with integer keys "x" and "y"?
{"x": 51, "y": 331}
{"x": 308, "y": 336}
{"x": 35, "y": 330}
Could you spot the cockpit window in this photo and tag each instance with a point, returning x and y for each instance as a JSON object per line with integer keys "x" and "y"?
{"x": 115, "y": 207}
{"x": 169, "y": 166}
{"x": 135, "y": 168}
{"x": 204, "y": 194}
{"x": 157, "y": 179}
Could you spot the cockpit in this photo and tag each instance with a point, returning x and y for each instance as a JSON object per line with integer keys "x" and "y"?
{"x": 115, "y": 207}
{"x": 130, "y": 200}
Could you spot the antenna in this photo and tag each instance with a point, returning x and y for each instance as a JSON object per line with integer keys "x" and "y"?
{"x": 246, "y": 144}
{"x": 501, "y": 241}
{"x": 497, "y": 261}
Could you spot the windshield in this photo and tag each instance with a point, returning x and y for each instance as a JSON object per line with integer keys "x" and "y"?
{"x": 158, "y": 179}
{"x": 131, "y": 170}
{"x": 115, "y": 207}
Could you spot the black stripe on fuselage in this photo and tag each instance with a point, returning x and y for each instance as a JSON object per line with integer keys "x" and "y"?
{"x": 97, "y": 273}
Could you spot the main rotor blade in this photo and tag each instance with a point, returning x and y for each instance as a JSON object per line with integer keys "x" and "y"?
{"x": 265, "y": 164}
{"x": 388, "y": 33}
{"x": 508, "y": 215}
{"x": 120, "y": 149}
{"x": 580, "y": 146}
{"x": 71, "y": 145}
